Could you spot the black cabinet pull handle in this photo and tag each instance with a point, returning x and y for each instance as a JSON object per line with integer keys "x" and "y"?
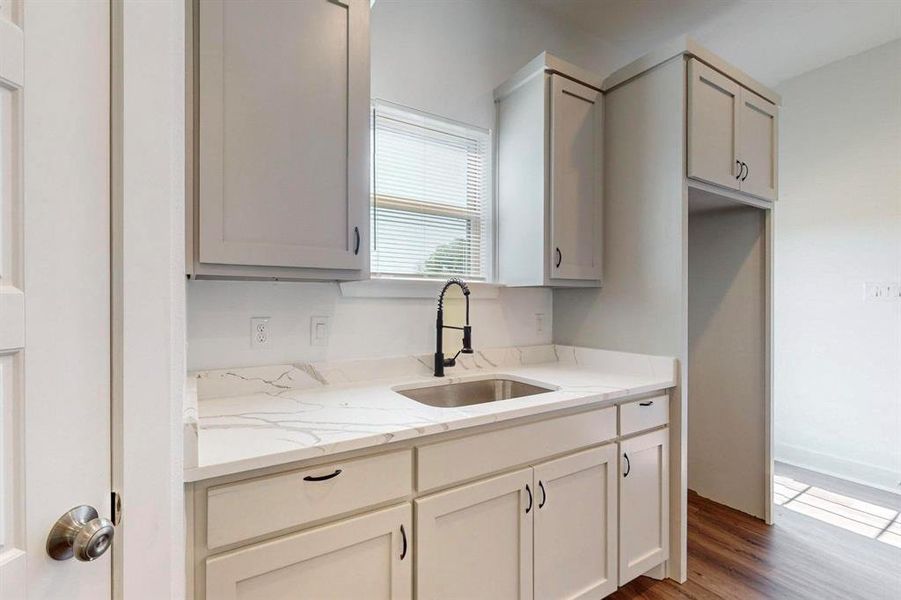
{"x": 559, "y": 258}
{"x": 357, "y": 240}
{"x": 403, "y": 536}
{"x": 747, "y": 171}
{"x": 322, "y": 477}
{"x": 543, "y": 495}
{"x": 628, "y": 465}
{"x": 648, "y": 403}
{"x": 740, "y": 168}
{"x": 529, "y": 492}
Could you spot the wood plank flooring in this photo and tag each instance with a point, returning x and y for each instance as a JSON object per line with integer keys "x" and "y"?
{"x": 734, "y": 556}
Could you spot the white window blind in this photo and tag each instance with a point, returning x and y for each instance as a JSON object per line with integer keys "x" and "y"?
{"x": 431, "y": 213}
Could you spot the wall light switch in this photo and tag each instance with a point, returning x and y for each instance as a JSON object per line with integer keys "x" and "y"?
{"x": 539, "y": 322}
{"x": 319, "y": 331}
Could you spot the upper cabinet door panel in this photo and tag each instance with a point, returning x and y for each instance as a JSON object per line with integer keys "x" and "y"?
{"x": 757, "y": 145}
{"x": 576, "y": 166}
{"x": 713, "y": 119}
{"x": 283, "y": 116}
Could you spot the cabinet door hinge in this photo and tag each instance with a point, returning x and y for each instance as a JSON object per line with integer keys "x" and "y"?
{"x": 116, "y": 507}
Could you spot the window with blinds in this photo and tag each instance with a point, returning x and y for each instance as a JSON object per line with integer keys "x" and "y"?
{"x": 431, "y": 209}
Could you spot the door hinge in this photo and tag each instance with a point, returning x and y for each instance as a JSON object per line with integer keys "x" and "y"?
{"x": 116, "y": 507}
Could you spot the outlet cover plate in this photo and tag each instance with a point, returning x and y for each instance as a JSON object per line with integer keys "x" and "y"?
{"x": 260, "y": 335}
{"x": 319, "y": 330}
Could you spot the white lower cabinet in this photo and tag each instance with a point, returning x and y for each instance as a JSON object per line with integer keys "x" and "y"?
{"x": 643, "y": 504}
{"x": 575, "y": 525}
{"x": 549, "y": 530}
{"x": 362, "y": 557}
{"x": 475, "y": 541}
{"x": 572, "y": 527}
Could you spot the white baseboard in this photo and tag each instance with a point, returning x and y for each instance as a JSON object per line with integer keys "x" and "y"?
{"x": 857, "y": 472}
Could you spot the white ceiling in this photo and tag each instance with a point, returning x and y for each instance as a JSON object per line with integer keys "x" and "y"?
{"x": 771, "y": 40}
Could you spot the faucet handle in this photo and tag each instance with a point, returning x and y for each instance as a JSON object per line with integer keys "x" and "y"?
{"x": 467, "y": 340}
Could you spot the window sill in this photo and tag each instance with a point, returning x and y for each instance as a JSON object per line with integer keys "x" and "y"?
{"x": 395, "y": 287}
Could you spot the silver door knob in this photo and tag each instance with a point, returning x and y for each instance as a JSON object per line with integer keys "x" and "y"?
{"x": 80, "y": 533}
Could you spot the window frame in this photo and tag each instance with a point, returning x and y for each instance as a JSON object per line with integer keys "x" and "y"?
{"x": 474, "y": 220}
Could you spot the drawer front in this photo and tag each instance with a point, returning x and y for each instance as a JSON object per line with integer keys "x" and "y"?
{"x": 643, "y": 414}
{"x": 367, "y": 556}
{"x": 470, "y": 457}
{"x": 244, "y": 510}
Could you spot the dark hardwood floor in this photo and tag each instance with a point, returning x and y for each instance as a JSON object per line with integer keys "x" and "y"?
{"x": 732, "y": 555}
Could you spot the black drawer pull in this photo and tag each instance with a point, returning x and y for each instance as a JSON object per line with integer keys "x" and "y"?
{"x": 529, "y": 492}
{"x": 559, "y": 258}
{"x": 357, "y": 240}
{"x": 648, "y": 403}
{"x": 322, "y": 477}
{"x": 403, "y": 535}
{"x": 543, "y": 495}
{"x": 628, "y": 465}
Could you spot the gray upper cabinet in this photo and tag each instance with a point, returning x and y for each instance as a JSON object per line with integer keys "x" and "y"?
{"x": 549, "y": 176}
{"x": 759, "y": 124}
{"x": 713, "y": 113}
{"x": 282, "y": 139}
{"x": 575, "y": 170}
{"x": 732, "y": 134}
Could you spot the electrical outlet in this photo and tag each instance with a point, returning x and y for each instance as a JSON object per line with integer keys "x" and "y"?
{"x": 259, "y": 332}
{"x": 319, "y": 331}
{"x": 882, "y": 291}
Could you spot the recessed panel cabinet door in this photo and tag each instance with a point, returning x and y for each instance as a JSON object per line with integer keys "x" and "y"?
{"x": 576, "y": 166}
{"x": 362, "y": 557}
{"x": 284, "y": 133}
{"x": 643, "y": 504}
{"x": 757, "y": 145}
{"x": 575, "y": 525}
{"x": 713, "y": 126}
{"x": 475, "y": 541}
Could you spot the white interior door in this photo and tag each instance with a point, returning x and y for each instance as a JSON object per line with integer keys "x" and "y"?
{"x": 575, "y": 525}
{"x": 576, "y": 150}
{"x": 54, "y": 289}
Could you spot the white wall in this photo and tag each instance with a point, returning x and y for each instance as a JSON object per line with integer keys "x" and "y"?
{"x": 219, "y": 315}
{"x": 444, "y": 57}
{"x": 447, "y": 56}
{"x": 838, "y": 225}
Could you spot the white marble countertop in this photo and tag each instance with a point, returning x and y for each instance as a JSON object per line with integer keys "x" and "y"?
{"x": 242, "y": 419}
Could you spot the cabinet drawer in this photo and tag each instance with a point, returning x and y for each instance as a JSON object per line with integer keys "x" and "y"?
{"x": 244, "y": 510}
{"x": 643, "y": 414}
{"x": 366, "y": 556}
{"x": 469, "y": 457}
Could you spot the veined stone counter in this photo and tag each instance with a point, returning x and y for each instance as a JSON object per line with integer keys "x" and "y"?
{"x": 250, "y": 418}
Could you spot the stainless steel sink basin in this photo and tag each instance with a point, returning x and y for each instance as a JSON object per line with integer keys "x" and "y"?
{"x": 467, "y": 393}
